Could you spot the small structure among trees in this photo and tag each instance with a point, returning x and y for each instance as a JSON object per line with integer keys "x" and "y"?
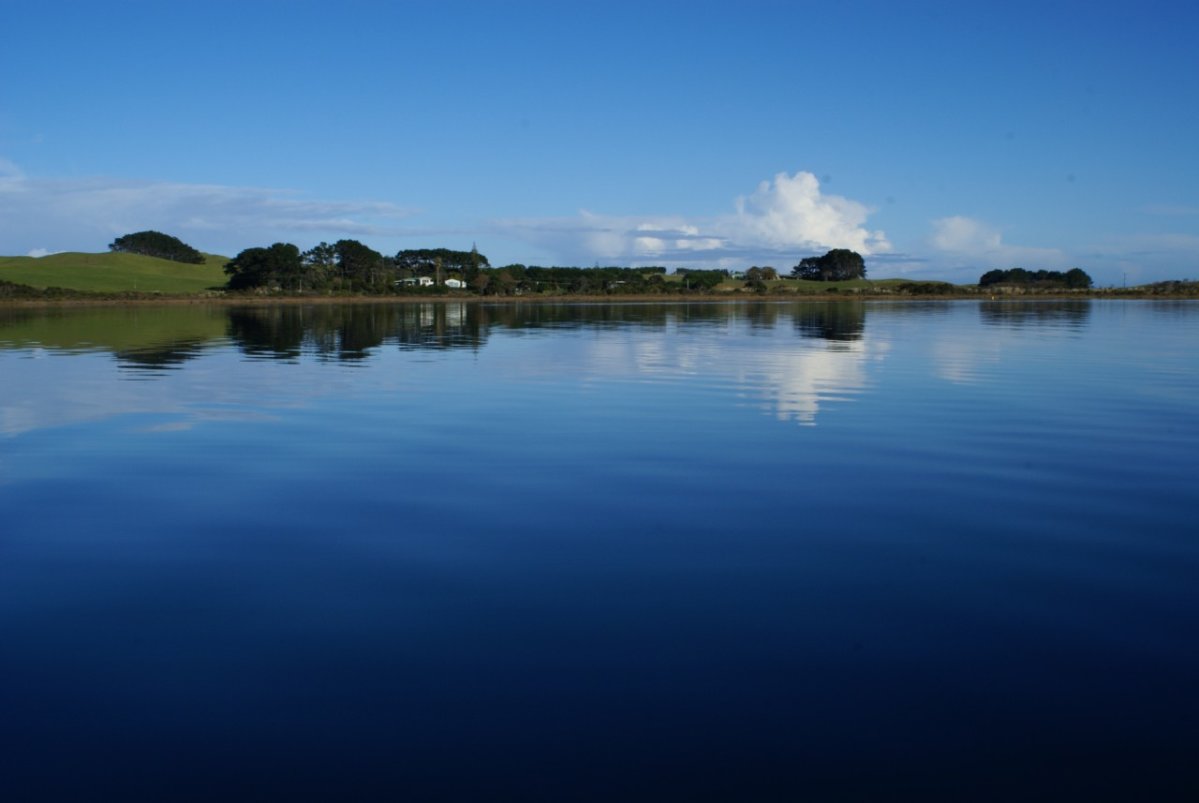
{"x": 838, "y": 265}
{"x": 157, "y": 244}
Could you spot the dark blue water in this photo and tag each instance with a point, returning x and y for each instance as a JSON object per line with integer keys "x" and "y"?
{"x": 697, "y": 552}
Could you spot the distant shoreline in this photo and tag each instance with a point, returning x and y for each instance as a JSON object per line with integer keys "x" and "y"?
{"x": 723, "y": 298}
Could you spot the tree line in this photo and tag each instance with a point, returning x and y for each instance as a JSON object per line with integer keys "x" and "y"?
{"x": 1074, "y": 279}
{"x": 346, "y": 265}
{"x": 350, "y": 266}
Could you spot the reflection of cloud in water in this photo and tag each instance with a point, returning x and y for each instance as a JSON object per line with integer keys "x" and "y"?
{"x": 797, "y": 383}
{"x": 795, "y": 378}
{"x": 963, "y": 362}
{"x": 78, "y": 388}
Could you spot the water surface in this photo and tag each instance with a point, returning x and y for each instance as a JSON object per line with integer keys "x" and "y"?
{"x": 765, "y": 551}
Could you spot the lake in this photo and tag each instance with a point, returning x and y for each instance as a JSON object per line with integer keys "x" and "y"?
{"x": 756, "y": 551}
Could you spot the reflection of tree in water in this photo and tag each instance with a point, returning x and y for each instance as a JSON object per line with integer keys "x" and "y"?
{"x": 352, "y": 332}
{"x": 146, "y": 338}
{"x": 763, "y": 317}
{"x": 1058, "y": 314}
{"x": 276, "y": 332}
{"x": 842, "y": 321}
{"x": 574, "y": 316}
{"x": 154, "y": 358}
{"x": 839, "y": 321}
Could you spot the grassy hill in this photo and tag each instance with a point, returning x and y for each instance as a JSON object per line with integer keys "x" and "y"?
{"x": 113, "y": 272}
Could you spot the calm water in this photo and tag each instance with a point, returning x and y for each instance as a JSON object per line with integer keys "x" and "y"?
{"x": 726, "y": 552}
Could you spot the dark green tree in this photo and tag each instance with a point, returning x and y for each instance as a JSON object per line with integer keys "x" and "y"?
{"x": 1077, "y": 278}
{"x": 423, "y": 261}
{"x": 320, "y": 265}
{"x": 277, "y": 267}
{"x": 157, "y": 244}
{"x": 358, "y": 265}
{"x": 838, "y": 265}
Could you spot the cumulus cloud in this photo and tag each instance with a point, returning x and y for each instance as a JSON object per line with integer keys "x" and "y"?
{"x": 85, "y": 214}
{"x": 783, "y": 218}
{"x": 792, "y": 213}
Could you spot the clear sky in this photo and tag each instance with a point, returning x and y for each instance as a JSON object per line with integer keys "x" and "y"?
{"x": 938, "y": 139}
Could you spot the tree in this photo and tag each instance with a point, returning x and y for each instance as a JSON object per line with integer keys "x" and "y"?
{"x": 277, "y": 266}
{"x": 474, "y": 262}
{"x": 358, "y": 263}
{"x": 837, "y": 265}
{"x": 1078, "y": 278}
{"x": 157, "y": 244}
{"x": 702, "y": 281}
{"x": 320, "y": 265}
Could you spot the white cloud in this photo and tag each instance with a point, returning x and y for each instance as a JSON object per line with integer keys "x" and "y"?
{"x": 86, "y": 214}
{"x": 38, "y": 253}
{"x": 792, "y": 213}
{"x": 784, "y": 218}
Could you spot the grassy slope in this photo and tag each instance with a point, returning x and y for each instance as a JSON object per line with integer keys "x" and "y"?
{"x": 111, "y": 272}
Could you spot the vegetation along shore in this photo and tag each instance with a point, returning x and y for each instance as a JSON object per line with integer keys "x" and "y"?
{"x": 155, "y": 267}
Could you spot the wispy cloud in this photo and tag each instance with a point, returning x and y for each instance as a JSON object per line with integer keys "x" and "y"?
{"x": 785, "y": 218}
{"x": 1172, "y": 210}
{"x": 9, "y": 172}
{"x": 976, "y": 244}
{"x": 87, "y": 213}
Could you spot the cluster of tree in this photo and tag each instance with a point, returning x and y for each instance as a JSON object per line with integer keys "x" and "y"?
{"x": 756, "y": 278}
{"x": 837, "y": 265}
{"x": 702, "y": 280}
{"x": 346, "y": 265}
{"x": 1075, "y": 278}
{"x": 756, "y": 274}
{"x": 16, "y": 290}
{"x": 520, "y": 279}
{"x": 434, "y": 261}
{"x": 157, "y": 244}
{"x": 926, "y": 288}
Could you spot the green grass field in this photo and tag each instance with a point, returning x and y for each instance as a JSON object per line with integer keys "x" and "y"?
{"x": 113, "y": 272}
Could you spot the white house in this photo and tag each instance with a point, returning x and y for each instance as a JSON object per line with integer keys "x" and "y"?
{"x": 417, "y": 281}
{"x": 455, "y": 284}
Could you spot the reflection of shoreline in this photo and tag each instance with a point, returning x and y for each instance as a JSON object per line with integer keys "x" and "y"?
{"x": 165, "y": 337}
{"x": 792, "y": 357}
{"x": 796, "y": 381}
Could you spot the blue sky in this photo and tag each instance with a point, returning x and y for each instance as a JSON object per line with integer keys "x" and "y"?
{"x": 939, "y": 139}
